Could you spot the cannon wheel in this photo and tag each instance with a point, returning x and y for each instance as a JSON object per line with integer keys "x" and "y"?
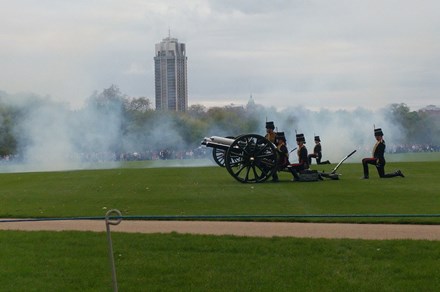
{"x": 251, "y": 159}
{"x": 219, "y": 154}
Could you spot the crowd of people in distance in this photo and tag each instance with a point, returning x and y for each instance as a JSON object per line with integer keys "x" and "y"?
{"x": 406, "y": 148}
{"x": 109, "y": 156}
{"x": 162, "y": 154}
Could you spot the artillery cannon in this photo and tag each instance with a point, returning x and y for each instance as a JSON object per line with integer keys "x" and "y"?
{"x": 219, "y": 147}
{"x": 248, "y": 158}
{"x": 251, "y": 158}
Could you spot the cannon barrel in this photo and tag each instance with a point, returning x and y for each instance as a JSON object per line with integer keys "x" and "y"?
{"x": 218, "y": 142}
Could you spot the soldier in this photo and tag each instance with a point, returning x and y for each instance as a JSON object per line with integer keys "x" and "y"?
{"x": 303, "y": 162}
{"x": 317, "y": 153}
{"x": 282, "y": 150}
{"x": 378, "y": 158}
{"x": 283, "y": 162}
{"x": 270, "y": 134}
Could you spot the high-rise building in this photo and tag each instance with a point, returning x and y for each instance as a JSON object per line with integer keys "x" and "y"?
{"x": 170, "y": 70}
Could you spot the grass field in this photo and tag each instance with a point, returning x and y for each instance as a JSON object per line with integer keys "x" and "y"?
{"x": 77, "y": 261}
{"x": 212, "y": 191}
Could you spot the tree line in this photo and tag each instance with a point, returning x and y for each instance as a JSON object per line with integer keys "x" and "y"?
{"x": 112, "y": 121}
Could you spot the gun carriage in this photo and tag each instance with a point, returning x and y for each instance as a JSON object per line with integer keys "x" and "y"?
{"x": 248, "y": 158}
{"x": 251, "y": 158}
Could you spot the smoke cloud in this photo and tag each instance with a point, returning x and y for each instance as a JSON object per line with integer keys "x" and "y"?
{"x": 53, "y": 137}
{"x": 340, "y": 131}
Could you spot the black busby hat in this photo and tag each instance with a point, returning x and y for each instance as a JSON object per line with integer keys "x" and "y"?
{"x": 280, "y": 135}
{"x": 317, "y": 139}
{"x": 300, "y": 138}
{"x": 270, "y": 125}
{"x": 378, "y": 132}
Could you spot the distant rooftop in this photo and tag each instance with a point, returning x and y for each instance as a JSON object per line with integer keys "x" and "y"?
{"x": 430, "y": 108}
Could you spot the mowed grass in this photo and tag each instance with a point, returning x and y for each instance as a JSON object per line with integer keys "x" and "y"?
{"x": 138, "y": 191}
{"x": 78, "y": 261}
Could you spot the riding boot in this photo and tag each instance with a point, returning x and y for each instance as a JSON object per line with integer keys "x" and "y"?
{"x": 295, "y": 174}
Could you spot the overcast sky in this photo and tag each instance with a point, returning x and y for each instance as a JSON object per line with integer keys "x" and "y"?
{"x": 335, "y": 54}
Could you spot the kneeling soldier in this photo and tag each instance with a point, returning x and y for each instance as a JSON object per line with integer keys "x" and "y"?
{"x": 378, "y": 158}
{"x": 317, "y": 153}
{"x": 303, "y": 163}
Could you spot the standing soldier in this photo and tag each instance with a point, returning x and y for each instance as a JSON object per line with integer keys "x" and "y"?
{"x": 270, "y": 134}
{"x": 317, "y": 153}
{"x": 303, "y": 162}
{"x": 283, "y": 154}
{"x": 378, "y": 158}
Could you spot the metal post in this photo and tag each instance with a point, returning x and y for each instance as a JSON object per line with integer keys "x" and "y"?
{"x": 110, "y": 245}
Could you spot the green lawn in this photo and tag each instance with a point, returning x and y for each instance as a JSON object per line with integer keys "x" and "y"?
{"x": 77, "y": 261}
{"x": 212, "y": 191}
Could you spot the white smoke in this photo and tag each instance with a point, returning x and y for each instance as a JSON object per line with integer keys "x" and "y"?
{"x": 46, "y": 132}
{"x": 53, "y": 137}
{"x": 340, "y": 131}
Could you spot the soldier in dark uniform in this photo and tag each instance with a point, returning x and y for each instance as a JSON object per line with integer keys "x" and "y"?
{"x": 303, "y": 162}
{"x": 283, "y": 153}
{"x": 317, "y": 153}
{"x": 270, "y": 134}
{"x": 378, "y": 158}
{"x": 282, "y": 150}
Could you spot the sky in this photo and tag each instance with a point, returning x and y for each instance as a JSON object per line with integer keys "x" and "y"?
{"x": 331, "y": 54}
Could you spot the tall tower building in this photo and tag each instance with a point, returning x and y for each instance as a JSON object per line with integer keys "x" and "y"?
{"x": 170, "y": 70}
